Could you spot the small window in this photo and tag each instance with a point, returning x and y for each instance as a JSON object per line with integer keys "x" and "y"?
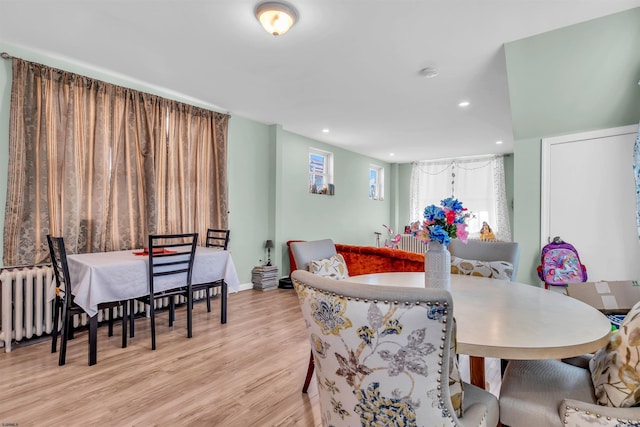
{"x": 376, "y": 183}
{"x": 320, "y": 172}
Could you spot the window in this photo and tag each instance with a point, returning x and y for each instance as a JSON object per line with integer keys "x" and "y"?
{"x": 477, "y": 182}
{"x": 376, "y": 182}
{"x": 320, "y": 172}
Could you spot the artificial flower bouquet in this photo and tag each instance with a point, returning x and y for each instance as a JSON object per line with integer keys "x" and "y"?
{"x": 442, "y": 223}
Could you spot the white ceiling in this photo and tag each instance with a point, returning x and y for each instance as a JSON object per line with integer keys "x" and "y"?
{"x": 351, "y": 66}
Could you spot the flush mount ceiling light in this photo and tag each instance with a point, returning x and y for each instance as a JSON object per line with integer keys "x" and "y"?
{"x": 276, "y": 17}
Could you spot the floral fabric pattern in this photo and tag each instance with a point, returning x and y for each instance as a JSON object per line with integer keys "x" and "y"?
{"x": 471, "y": 267}
{"x": 615, "y": 369}
{"x": 333, "y": 267}
{"x": 576, "y": 417}
{"x": 381, "y": 363}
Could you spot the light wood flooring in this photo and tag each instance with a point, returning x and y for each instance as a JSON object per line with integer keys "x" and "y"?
{"x": 248, "y": 372}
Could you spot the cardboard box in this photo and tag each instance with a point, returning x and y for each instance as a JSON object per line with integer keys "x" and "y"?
{"x": 609, "y": 297}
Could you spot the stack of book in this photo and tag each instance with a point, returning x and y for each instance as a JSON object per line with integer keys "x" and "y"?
{"x": 264, "y": 277}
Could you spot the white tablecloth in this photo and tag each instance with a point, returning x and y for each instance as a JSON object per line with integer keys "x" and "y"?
{"x": 121, "y": 275}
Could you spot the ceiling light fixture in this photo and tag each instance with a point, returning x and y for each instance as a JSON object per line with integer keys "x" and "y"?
{"x": 276, "y": 17}
{"x": 325, "y": 130}
{"x": 498, "y": 142}
{"x": 464, "y": 104}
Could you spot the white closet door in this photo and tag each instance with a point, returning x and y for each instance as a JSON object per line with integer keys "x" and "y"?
{"x": 588, "y": 199}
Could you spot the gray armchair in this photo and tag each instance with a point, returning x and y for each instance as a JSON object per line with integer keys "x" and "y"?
{"x": 305, "y": 252}
{"x": 538, "y": 393}
{"x": 488, "y": 251}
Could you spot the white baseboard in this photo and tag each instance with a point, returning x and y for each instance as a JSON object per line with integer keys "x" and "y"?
{"x": 245, "y": 287}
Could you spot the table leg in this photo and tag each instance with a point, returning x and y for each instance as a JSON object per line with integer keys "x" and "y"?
{"x": 476, "y": 370}
{"x": 223, "y": 302}
{"x": 93, "y": 339}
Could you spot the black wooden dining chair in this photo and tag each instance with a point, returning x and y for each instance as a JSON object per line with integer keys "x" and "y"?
{"x": 65, "y": 307}
{"x": 216, "y": 238}
{"x": 171, "y": 259}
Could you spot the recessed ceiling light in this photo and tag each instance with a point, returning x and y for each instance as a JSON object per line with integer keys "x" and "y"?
{"x": 325, "y": 130}
{"x": 464, "y": 104}
{"x": 428, "y": 72}
{"x": 392, "y": 154}
{"x": 498, "y": 142}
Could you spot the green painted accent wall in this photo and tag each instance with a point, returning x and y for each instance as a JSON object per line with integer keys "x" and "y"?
{"x": 5, "y": 102}
{"x": 347, "y": 217}
{"x": 251, "y": 172}
{"x": 574, "y": 79}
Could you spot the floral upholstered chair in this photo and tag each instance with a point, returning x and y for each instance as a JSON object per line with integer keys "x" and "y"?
{"x": 382, "y": 356}
{"x": 320, "y": 258}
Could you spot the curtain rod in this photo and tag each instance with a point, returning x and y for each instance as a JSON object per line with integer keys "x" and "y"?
{"x": 5, "y": 55}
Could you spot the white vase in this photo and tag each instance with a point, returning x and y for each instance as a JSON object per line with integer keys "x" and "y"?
{"x": 437, "y": 266}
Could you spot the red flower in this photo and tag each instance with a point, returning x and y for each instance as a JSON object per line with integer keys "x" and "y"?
{"x": 450, "y": 215}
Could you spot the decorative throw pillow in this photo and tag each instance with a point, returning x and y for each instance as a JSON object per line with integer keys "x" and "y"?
{"x": 471, "y": 267}
{"x": 615, "y": 369}
{"x": 334, "y": 267}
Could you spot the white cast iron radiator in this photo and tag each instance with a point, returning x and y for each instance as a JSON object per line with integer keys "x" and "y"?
{"x": 26, "y": 310}
{"x": 408, "y": 242}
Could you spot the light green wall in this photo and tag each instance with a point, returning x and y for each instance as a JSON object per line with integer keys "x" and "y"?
{"x": 268, "y": 175}
{"x": 250, "y": 159}
{"x": 5, "y": 101}
{"x": 575, "y": 79}
{"x": 347, "y": 217}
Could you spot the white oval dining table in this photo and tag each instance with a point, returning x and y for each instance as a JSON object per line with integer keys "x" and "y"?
{"x": 510, "y": 320}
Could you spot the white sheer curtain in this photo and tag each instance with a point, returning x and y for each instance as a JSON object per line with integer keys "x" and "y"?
{"x": 477, "y": 182}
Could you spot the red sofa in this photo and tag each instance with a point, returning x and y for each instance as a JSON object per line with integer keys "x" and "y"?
{"x": 369, "y": 259}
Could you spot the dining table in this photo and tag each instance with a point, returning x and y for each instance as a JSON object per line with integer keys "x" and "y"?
{"x": 101, "y": 277}
{"x": 511, "y": 320}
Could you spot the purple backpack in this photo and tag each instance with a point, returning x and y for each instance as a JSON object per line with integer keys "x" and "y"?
{"x": 560, "y": 264}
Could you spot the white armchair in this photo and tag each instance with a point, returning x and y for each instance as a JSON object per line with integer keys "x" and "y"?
{"x": 385, "y": 355}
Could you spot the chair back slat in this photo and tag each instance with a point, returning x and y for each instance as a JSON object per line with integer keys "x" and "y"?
{"x": 164, "y": 262}
{"x": 218, "y": 238}
{"x": 58, "y": 255}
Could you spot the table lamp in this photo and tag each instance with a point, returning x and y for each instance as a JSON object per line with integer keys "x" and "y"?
{"x": 269, "y": 246}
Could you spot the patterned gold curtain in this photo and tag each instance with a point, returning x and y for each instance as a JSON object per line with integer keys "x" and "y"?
{"x": 191, "y": 176}
{"x": 79, "y": 161}
{"x": 86, "y": 157}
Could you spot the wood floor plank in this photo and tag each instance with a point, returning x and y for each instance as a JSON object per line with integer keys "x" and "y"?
{"x": 248, "y": 372}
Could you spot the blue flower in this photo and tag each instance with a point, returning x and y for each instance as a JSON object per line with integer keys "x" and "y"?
{"x": 439, "y": 234}
{"x": 451, "y": 203}
{"x": 432, "y": 213}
